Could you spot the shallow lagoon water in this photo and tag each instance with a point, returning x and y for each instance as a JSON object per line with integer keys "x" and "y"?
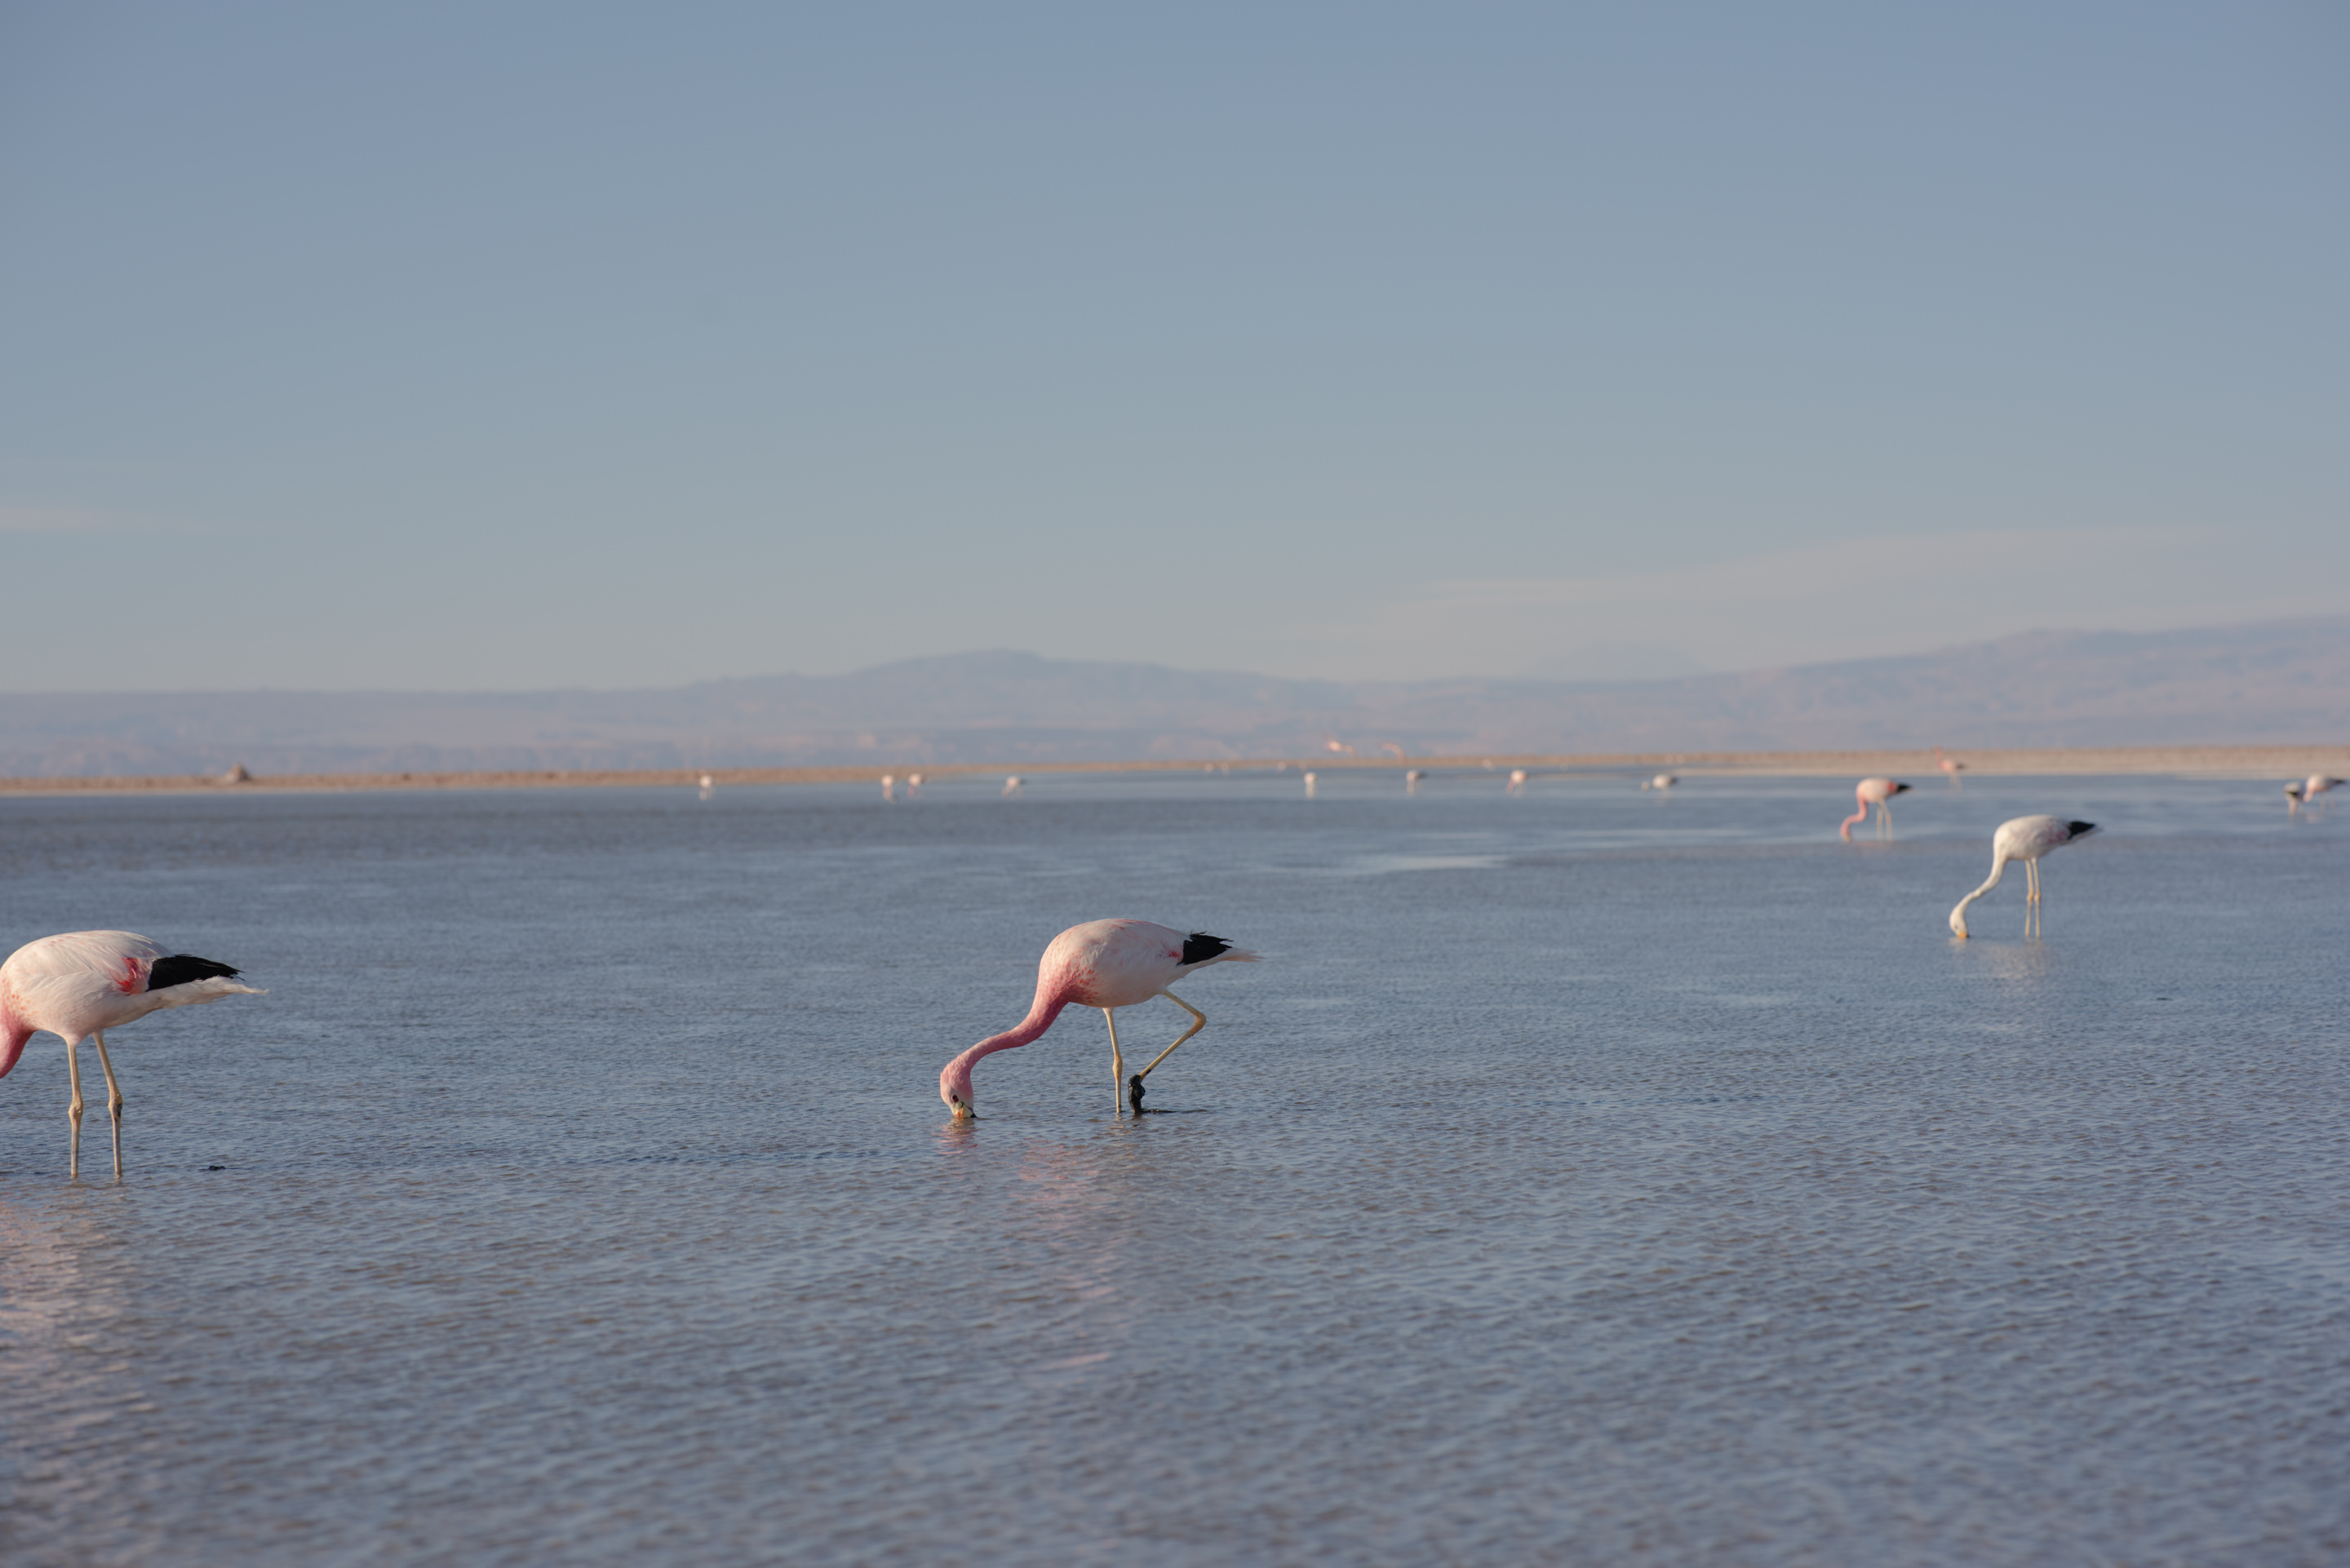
{"x": 1585, "y": 1177}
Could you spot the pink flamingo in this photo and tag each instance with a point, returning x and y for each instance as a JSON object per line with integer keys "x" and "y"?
{"x": 1107, "y": 964}
{"x": 1879, "y": 793}
{"x": 2026, "y": 838}
{"x": 80, "y": 984}
{"x": 1952, "y": 766}
{"x": 1517, "y": 781}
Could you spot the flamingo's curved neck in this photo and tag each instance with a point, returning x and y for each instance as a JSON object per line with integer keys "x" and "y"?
{"x": 1050, "y": 1000}
{"x": 14, "y": 1033}
{"x": 1997, "y": 868}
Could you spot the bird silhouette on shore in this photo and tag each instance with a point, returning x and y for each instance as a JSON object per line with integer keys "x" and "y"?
{"x": 80, "y": 984}
{"x": 1108, "y": 964}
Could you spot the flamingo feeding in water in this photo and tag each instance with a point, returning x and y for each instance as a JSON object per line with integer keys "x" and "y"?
{"x": 1662, "y": 781}
{"x": 1517, "y": 781}
{"x": 1012, "y": 784}
{"x": 1411, "y": 780}
{"x": 2026, "y": 838}
{"x": 2314, "y": 785}
{"x": 1950, "y": 766}
{"x": 1879, "y": 793}
{"x": 1108, "y": 964}
{"x": 82, "y": 984}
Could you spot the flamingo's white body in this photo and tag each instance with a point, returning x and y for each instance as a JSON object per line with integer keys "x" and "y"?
{"x": 1012, "y": 785}
{"x": 1108, "y": 964}
{"x": 2318, "y": 784}
{"x": 82, "y": 984}
{"x": 1411, "y": 780}
{"x": 2025, "y": 838}
{"x": 1662, "y": 782}
{"x": 1878, "y": 793}
{"x": 1312, "y": 779}
{"x": 888, "y": 786}
{"x": 1517, "y": 781}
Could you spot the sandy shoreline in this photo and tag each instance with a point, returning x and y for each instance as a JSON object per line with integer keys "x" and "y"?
{"x": 2214, "y": 762}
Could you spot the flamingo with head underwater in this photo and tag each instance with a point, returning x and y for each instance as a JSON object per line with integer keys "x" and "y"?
{"x": 2024, "y": 838}
{"x": 1879, "y": 793}
{"x": 80, "y": 984}
{"x": 1108, "y": 964}
{"x": 2318, "y": 784}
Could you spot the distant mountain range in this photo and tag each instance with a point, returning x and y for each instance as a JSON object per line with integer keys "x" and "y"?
{"x": 2279, "y": 681}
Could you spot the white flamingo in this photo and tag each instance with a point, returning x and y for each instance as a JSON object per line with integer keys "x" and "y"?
{"x": 1662, "y": 782}
{"x": 82, "y": 984}
{"x": 1879, "y": 793}
{"x": 2318, "y": 784}
{"x": 1950, "y": 766}
{"x": 888, "y": 786}
{"x": 1517, "y": 781}
{"x": 913, "y": 785}
{"x": 1312, "y": 779}
{"x": 1012, "y": 785}
{"x": 1411, "y": 780}
{"x": 2026, "y": 838}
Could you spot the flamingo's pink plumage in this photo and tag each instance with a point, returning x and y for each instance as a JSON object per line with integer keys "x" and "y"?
{"x": 1107, "y": 964}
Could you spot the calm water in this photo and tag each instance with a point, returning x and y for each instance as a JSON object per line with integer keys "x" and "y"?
{"x": 1587, "y": 1177}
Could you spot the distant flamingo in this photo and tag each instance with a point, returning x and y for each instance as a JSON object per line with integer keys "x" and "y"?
{"x": 1517, "y": 781}
{"x": 1391, "y": 746}
{"x": 888, "y": 786}
{"x": 1312, "y": 779}
{"x": 1107, "y": 964}
{"x": 1412, "y": 779}
{"x": 79, "y": 985}
{"x": 2026, "y": 838}
{"x": 1662, "y": 781}
{"x": 1950, "y": 765}
{"x": 913, "y": 784}
{"x": 1012, "y": 785}
{"x": 2318, "y": 785}
{"x": 706, "y": 786}
{"x": 1879, "y": 793}
{"x": 1341, "y": 746}
{"x": 2292, "y": 799}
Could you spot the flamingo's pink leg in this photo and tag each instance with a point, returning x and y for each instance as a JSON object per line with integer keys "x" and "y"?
{"x": 73, "y": 1107}
{"x": 113, "y": 1098}
{"x": 1116, "y": 1066}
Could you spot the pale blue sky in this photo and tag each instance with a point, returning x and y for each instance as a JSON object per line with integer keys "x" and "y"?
{"x": 506, "y": 345}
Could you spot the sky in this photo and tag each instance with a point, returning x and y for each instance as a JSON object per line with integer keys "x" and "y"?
{"x": 521, "y": 346}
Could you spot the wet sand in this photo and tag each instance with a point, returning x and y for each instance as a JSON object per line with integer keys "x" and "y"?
{"x": 2195, "y": 762}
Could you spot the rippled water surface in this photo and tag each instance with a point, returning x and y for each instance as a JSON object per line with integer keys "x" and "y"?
{"x": 1586, "y": 1177}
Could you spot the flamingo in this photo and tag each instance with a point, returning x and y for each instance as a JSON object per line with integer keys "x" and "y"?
{"x": 2026, "y": 838}
{"x": 1339, "y": 748}
{"x": 1012, "y": 785}
{"x": 1108, "y": 964}
{"x": 706, "y": 786}
{"x": 2318, "y": 784}
{"x": 1517, "y": 781}
{"x": 913, "y": 785}
{"x": 1411, "y": 780}
{"x": 1662, "y": 781}
{"x": 888, "y": 786}
{"x": 1312, "y": 779}
{"x": 82, "y": 984}
{"x": 1879, "y": 793}
{"x": 1950, "y": 766}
